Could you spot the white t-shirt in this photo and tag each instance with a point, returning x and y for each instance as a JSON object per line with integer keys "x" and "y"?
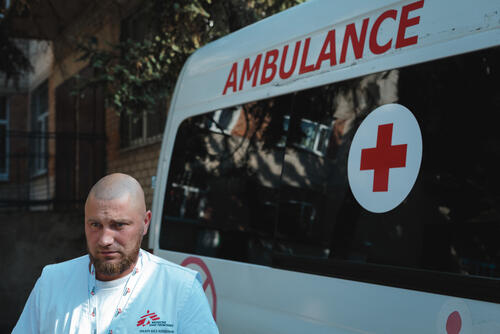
{"x": 167, "y": 298}
{"x": 108, "y": 294}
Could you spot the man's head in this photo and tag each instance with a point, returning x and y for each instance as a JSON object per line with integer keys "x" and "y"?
{"x": 115, "y": 222}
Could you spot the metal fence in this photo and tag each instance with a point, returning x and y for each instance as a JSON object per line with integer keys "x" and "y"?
{"x": 48, "y": 170}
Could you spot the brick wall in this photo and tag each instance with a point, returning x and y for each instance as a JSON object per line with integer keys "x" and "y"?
{"x": 18, "y": 171}
{"x": 139, "y": 162}
{"x": 19, "y": 112}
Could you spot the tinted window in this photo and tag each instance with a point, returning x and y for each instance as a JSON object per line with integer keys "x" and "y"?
{"x": 221, "y": 197}
{"x": 279, "y": 177}
{"x": 4, "y": 127}
{"x": 3, "y": 148}
{"x": 3, "y": 108}
{"x": 450, "y": 220}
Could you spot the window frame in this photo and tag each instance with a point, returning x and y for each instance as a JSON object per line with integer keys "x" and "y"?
{"x": 318, "y": 129}
{"x": 234, "y": 120}
{"x": 126, "y": 126}
{"x": 5, "y": 121}
{"x": 5, "y": 5}
{"x": 40, "y": 118}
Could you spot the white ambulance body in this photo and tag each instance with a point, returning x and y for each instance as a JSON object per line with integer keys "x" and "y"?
{"x": 333, "y": 169}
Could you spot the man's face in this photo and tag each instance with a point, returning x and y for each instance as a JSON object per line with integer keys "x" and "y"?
{"x": 114, "y": 230}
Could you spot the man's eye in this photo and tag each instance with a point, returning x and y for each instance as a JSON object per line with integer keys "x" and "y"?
{"x": 94, "y": 224}
{"x": 120, "y": 225}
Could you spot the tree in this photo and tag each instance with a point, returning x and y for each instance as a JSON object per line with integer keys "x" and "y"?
{"x": 13, "y": 62}
{"x": 137, "y": 74}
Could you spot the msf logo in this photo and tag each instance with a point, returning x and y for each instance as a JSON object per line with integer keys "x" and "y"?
{"x": 147, "y": 318}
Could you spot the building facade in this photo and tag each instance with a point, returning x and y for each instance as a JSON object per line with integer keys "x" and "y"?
{"x": 55, "y": 144}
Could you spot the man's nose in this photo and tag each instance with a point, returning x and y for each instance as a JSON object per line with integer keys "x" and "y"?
{"x": 106, "y": 238}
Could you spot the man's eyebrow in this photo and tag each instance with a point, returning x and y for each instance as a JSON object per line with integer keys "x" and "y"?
{"x": 119, "y": 220}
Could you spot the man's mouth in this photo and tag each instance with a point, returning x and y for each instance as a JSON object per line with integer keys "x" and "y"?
{"x": 108, "y": 253}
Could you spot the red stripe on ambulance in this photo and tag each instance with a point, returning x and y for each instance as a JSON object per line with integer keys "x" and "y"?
{"x": 354, "y": 38}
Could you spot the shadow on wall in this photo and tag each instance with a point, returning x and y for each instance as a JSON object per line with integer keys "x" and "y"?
{"x": 29, "y": 241}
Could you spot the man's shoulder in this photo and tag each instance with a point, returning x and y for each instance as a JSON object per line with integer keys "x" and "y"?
{"x": 66, "y": 267}
{"x": 171, "y": 269}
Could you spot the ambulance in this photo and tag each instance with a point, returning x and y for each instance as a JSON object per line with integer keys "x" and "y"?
{"x": 335, "y": 168}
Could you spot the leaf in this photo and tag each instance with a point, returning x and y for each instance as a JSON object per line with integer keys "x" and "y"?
{"x": 175, "y": 48}
{"x": 196, "y": 41}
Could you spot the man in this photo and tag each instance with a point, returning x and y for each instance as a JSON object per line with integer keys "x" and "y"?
{"x": 117, "y": 287}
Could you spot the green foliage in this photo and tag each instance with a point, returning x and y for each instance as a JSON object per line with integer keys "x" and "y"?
{"x": 138, "y": 74}
{"x": 13, "y": 62}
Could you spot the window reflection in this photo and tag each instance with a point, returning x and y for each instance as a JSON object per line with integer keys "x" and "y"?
{"x": 270, "y": 177}
{"x": 223, "y": 182}
{"x": 448, "y": 220}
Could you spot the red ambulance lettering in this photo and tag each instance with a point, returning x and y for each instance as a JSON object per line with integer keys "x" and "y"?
{"x": 374, "y": 46}
{"x": 303, "y": 67}
{"x": 328, "y": 45}
{"x": 247, "y": 72}
{"x": 269, "y": 65}
{"x": 354, "y": 36}
{"x": 232, "y": 79}
{"x": 357, "y": 44}
{"x": 283, "y": 73}
{"x": 405, "y": 22}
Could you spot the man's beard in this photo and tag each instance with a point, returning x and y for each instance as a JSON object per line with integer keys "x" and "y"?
{"x": 114, "y": 269}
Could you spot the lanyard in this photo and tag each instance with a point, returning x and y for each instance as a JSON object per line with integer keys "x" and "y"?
{"x": 122, "y": 302}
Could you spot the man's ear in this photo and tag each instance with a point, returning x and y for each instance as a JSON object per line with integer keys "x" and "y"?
{"x": 147, "y": 220}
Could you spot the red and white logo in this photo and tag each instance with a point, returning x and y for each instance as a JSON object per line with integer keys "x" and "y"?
{"x": 147, "y": 319}
{"x": 208, "y": 282}
{"x": 384, "y": 158}
{"x": 455, "y": 318}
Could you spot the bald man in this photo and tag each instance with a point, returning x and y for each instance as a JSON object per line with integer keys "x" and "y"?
{"x": 117, "y": 287}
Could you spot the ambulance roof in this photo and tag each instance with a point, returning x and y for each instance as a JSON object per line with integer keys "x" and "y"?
{"x": 397, "y": 33}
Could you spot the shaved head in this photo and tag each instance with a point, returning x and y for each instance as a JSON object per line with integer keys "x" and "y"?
{"x": 117, "y": 185}
{"x": 115, "y": 222}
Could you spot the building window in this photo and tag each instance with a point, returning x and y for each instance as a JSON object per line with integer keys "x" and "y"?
{"x": 224, "y": 120}
{"x": 314, "y": 136}
{"x": 143, "y": 127}
{"x": 39, "y": 114}
{"x": 4, "y": 6}
{"x": 4, "y": 139}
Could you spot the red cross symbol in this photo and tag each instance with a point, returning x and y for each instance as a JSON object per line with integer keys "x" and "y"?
{"x": 383, "y": 157}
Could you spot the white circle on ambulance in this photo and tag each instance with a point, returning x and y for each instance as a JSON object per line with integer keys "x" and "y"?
{"x": 384, "y": 158}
